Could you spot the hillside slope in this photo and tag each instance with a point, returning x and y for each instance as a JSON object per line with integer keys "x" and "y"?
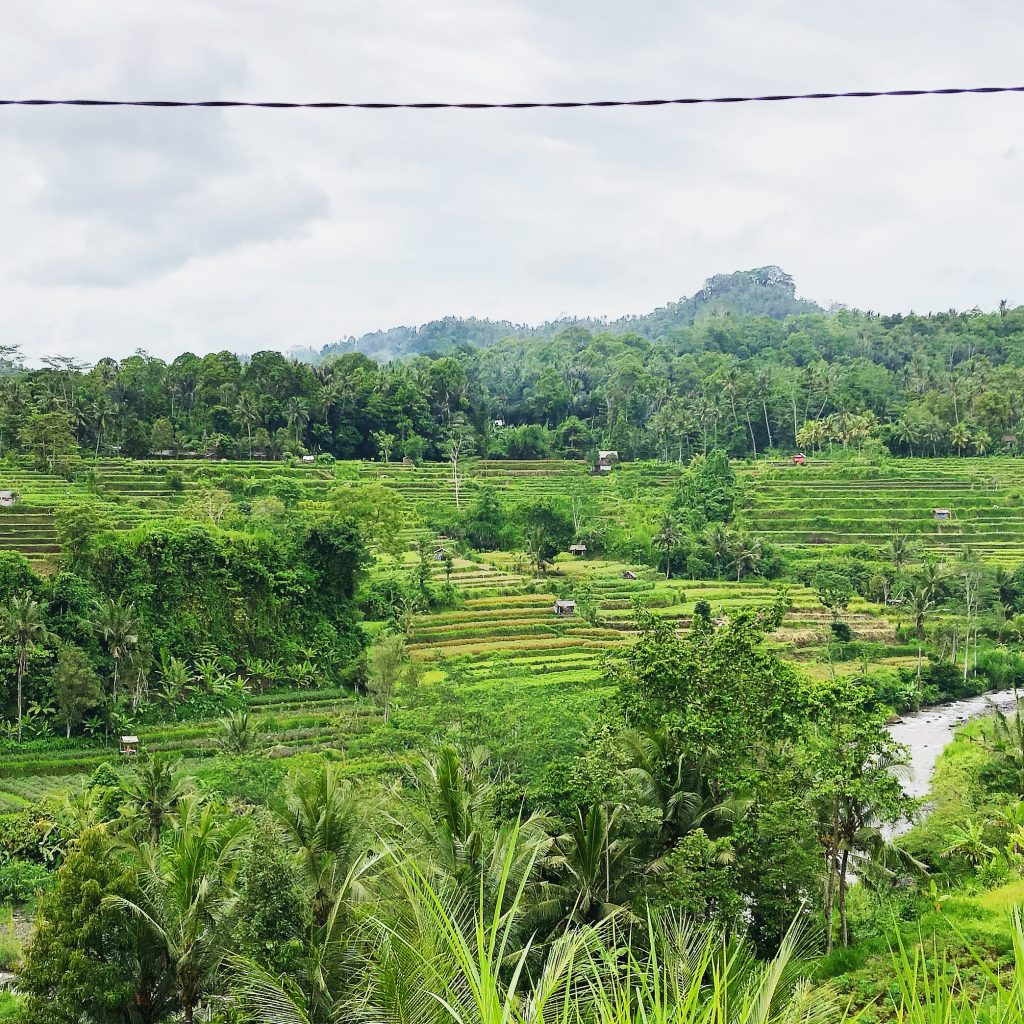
{"x": 763, "y": 291}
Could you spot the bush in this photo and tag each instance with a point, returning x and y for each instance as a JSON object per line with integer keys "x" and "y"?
{"x": 842, "y": 632}
{"x": 21, "y": 881}
{"x": 175, "y": 482}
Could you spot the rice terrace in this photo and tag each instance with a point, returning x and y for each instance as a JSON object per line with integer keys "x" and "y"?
{"x": 427, "y": 598}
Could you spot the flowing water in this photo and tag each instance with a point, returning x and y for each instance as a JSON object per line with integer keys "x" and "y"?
{"x": 926, "y": 734}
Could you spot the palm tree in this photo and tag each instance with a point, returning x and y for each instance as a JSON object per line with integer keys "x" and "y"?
{"x": 453, "y": 827}
{"x": 154, "y": 792}
{"x": 719, "y": 541}
{"x": 919, "y": 601}
{"x": 906, "y": 433}
{"x": 900, "y": 548}
{"x": 747, "y": 555}
{"x": 325, "y": 826}
{"x": 297, "y": 415}
{"x": 118, "y": 625}
{"x": 959, "y": 437}
{"x": 240, "y": 734}
{"x": 667, "y": 539}
{"x": 21, "y": 622}
{"x": 100, "y": 415}
{"x": 1014, "y": 628}
{"x": 186, "y": 898}
{"x": 677, "y": 786}
{"x": 537, "y": 546}
{"x": 590, "y": 860}
{"x": 248, "y": 415}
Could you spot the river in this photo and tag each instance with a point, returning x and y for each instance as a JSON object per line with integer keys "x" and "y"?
{"x": 926, "y": 733}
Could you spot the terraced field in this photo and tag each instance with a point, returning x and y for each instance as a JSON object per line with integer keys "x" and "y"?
{"x": 819, "y": 505}
{"x": 288, "y": 724}
{"x": 503, "y": 644}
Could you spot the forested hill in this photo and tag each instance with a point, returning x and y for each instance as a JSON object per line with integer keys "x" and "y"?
{"x": 764, "y": 291}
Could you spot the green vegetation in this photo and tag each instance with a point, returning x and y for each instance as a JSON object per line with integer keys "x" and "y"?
{"x": 443, "y": 738}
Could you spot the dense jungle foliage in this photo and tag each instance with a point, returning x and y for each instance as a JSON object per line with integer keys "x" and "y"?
{"x": 663, "y": 387}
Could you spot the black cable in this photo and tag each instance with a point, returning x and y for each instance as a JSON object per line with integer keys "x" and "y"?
{"x": 527, "y": 105}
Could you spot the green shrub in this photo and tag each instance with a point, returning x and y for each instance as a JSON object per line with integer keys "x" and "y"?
{"x": 22, "y": 880}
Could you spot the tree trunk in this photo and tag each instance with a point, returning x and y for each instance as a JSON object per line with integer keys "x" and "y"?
{"x": 844, "y": 931}
{"x": 833, "y": 843}
{"x": 21, "y": 676}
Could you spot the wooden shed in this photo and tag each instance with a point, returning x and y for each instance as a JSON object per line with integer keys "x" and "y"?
{"x": 941, "y": 514}
{"x": 629, "y": 575}
{"x": 799, "y": 459}
{"x": 564, "y": 607}
{"x": 129, "y": 744}
{"x": 577, "y": 549}
{"x": 8, "y": 499}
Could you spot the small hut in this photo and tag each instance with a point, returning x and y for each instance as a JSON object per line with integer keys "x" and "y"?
{"x": 799, "y": 459}
{"x": 941, "y": 514}
{"x": 129, "y": 745}
{"x": 8, "y": 499}
{"x": 564, "y": 607}
{"x": 605, "y": 461}
{"x": 440, "y": 554}
{"x": 629, "y": 575}
{"x": 577, "y": 549}
{"x": 309, "y": 458}
{"x": 407, "y": 461}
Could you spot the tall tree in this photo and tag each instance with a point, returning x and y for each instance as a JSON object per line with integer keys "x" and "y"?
{"x": 24, "y": 625}
{"x": 186, "y": 897}
{"x": 118, "y": 625}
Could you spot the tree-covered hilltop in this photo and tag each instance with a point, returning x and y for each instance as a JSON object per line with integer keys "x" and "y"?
{"x": 945, "y": 383}
{"x": 764, "y": 291}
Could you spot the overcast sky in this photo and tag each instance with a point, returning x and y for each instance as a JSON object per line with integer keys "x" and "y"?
{"x": 174, "y": 230}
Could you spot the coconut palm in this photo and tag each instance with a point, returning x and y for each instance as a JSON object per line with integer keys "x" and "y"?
{"x": 981, "y": 442}
{"x": 537, "y": 548}
{"x": 667, "y": 539}
{"x": 900, "y": 549}
{"x": 240, "y": 734}
{"x": 454, "y": 829}
{"x": 325, "y": 826}
{"x": 22, "y": 623}
{"x": 297, "y": 415}
{"x": 591, "y": 859}
{"x": 907, "y": 433}
{"x": 748, "y": 553}
{"x": 720, "y": 543}
{"x": 959, "y": 437}
{"x": 154, "y": 791}
{"x": 186, "y": 898}
{"x": 118, "y": 625}
{"x": 677, "y": 786}
{"x": 248, "y": 415}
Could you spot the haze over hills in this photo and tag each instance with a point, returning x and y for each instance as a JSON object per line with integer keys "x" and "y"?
{"x": 763, "y": 291}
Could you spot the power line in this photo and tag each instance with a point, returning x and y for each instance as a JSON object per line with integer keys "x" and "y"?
{"x": 685, "y": 101}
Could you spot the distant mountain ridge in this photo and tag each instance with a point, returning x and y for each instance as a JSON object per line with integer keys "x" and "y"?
{"x": 763, "y": 291}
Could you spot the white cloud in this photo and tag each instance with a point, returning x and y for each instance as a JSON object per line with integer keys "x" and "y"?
{"x": 246, "y": 229}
